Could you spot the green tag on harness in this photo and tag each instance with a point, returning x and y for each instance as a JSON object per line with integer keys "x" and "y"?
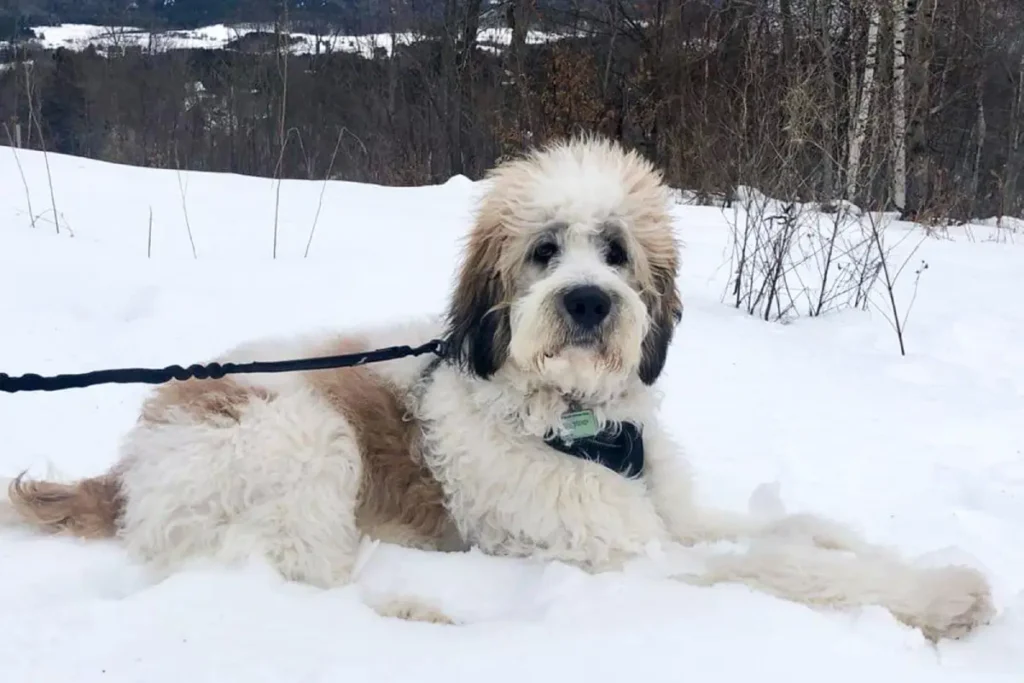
{"x": 580, "y": 424}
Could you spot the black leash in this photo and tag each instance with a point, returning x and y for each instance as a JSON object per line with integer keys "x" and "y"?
{"x": 33, "y": 382}
{"x": 622, "y": 452}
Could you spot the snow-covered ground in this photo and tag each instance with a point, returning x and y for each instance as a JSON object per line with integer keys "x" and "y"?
{"x": 80, "y": 36}
{"x": 925, "y": 452}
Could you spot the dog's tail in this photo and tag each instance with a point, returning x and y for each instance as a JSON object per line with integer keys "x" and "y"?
{"x": 89, "y": 508}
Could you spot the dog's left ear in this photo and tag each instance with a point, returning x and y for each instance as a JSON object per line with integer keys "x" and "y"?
{"x": 479, "y": 329}
{"x": 665, "y": 311}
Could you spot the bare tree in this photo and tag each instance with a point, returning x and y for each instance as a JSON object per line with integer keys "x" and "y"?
{"x": 859, "y": 130}
{"x": 900, "y": 10}
{"x": 922, "y": 17}
{"x": 1015, "y": 150}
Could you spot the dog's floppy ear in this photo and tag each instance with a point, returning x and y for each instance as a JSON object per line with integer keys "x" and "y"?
{"x": 479, "y": 331}
{"x": 665, "y": 310}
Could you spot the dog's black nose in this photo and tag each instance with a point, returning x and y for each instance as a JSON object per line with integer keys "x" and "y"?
{"x": 587, "y": 305}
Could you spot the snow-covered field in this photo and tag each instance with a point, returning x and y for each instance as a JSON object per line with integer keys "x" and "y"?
{"x": 80, "y": 36}
{"x": 925, "y": 452}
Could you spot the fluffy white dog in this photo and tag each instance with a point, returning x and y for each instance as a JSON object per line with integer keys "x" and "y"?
{"x": 536, "y": 435}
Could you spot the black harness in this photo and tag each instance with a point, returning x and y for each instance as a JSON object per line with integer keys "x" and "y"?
{"x": 620, "y": 449}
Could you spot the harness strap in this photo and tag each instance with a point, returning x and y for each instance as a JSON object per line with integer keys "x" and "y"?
{"x": 620, "y": 449}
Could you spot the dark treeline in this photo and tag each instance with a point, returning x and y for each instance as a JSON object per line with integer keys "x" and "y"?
{"x": 916, "y": 105}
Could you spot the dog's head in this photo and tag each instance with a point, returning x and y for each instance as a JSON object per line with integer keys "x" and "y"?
{"x": 569, "y": 274}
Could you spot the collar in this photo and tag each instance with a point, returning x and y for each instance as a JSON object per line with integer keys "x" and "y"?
{"x": 620, "y": 449}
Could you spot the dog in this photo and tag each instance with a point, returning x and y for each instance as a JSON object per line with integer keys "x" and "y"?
{"x": 536, "y": 434}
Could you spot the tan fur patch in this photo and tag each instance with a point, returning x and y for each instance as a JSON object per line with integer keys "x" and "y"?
{"x": 399, "y": 500}
{"x": 88, "y": 509}
{"x": 204, "y": 400}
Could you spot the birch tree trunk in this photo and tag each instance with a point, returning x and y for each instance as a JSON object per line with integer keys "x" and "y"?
{"x": 858, "y": 132}
{"x": 899, "y": 104}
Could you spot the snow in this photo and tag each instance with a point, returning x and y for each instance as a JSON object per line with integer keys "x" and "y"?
{"x": 80, "y": 36}
{"x": 923, "y": 453}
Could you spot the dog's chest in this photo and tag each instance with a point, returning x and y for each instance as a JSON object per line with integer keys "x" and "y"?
{"x": 512, "y": 492}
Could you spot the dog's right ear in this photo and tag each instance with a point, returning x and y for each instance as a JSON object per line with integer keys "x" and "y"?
{"x": 479, "y": 330}
{"x": 665, "y": 309}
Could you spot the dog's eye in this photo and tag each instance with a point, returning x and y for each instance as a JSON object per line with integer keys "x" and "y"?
{"x": 544, "y": 252}
{"x": 616, "y": 254}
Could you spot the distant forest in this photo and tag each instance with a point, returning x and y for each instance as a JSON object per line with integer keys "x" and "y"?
{"x": 912, "y": 105}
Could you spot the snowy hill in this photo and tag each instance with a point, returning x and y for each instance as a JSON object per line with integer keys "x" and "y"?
{"x": 78, "y": 37}
{"x": 151, "y": 267}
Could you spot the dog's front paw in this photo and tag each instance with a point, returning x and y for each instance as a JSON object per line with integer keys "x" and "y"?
{"x": 411, "y": 609}
{"x": 949, "y": 602}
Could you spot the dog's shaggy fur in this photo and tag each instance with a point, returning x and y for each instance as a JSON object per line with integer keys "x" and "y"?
{"x": 297, "y": 468}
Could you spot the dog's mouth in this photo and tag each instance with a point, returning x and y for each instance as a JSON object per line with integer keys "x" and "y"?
{"x": 579, "y": 340}
{"x": 587, "y": 336}
{"x": 580, "y": 337}
{"x": 584, "y": 339}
